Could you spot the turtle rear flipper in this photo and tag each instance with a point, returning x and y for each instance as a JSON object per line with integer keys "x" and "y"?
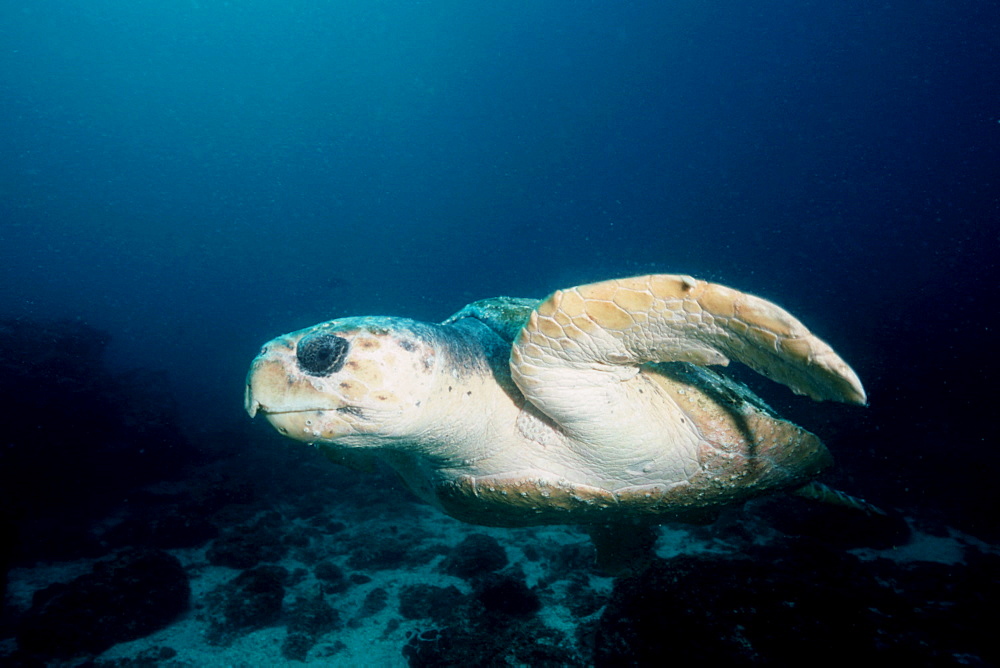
{"x": 832, "y": 518}
{"x": 817, "y": 491}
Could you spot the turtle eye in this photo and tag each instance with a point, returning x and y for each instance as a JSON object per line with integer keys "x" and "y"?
{"x": 321, "y": 354}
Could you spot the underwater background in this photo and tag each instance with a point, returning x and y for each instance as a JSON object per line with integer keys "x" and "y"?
{"x": 183, "y": 180}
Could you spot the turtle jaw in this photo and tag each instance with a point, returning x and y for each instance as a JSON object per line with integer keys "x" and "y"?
{"x": 310, "y": 419}
{"x": 312, "y": 426}
{"x": 286, "y": 405}
{"x": 294, "y": 408}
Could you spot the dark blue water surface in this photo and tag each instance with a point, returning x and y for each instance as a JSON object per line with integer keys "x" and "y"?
{"x": 195, "y": 177}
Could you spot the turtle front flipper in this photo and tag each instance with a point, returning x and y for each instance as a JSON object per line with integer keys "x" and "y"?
{"x": 619, "y": 324}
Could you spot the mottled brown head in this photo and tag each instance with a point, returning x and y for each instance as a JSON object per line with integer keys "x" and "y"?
{"x": 352, "y": 377}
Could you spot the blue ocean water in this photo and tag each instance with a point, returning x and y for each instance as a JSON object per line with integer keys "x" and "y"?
{"x": 195, "y": 177}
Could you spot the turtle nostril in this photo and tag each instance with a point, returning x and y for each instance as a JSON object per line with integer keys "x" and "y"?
{"x": 321, "y": 354}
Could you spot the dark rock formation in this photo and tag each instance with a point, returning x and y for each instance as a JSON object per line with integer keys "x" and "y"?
{"x": 332, "y": 576}
{"x": 77, "y": 437}
{"x": 430, "y": 602}
{"x": 505, "y": 594}
{"x": 479, "y": 554}
{"x": 308, "y": 619}
{"x": 250, "y": 601}
{"x": 127, "y": 597}
{"x": 246, "y": 546}
{"x": 495, "y": 626}
{"x": 777, "y": 606}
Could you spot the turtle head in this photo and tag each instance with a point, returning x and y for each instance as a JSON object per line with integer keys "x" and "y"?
{"x": 357, "y": 382}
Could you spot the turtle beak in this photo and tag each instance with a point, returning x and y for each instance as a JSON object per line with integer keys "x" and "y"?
{"x": 249, "y": 403}
{"x": 263, "y": 382}
{"x": 273, "y": 387}
{"x": 267, "y": 380}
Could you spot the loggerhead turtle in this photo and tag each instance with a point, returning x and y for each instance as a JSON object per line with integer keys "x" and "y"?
{"x": 593, "y": 406}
